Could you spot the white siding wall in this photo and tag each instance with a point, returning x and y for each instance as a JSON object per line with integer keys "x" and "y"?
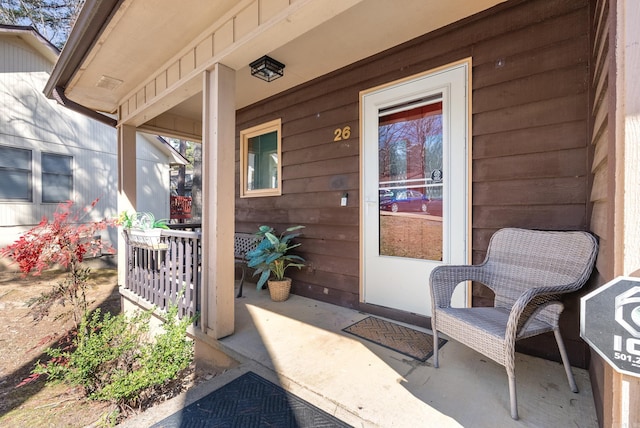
{"x": 153, "y": 178}
{"x": 29, "y": 120}
{"x": 19, "y": 57}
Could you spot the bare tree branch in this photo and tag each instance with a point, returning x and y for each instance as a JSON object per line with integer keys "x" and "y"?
{"x": 52, "y": 18}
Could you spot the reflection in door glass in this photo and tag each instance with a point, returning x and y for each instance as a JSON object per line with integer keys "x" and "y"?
{"x": 410, "y": 181}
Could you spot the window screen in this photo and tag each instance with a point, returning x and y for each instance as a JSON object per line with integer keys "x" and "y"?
{"x": 57, "y": 178}
{"x": 15, "y": 174}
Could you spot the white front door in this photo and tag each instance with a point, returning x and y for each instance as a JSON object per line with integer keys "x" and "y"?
{"x": 415, "y": 186}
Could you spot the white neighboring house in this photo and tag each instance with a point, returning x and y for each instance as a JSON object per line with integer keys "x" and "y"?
{"x": 50, "y": 154}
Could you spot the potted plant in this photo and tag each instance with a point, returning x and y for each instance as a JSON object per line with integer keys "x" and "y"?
{"x": 142, "y": 229}
{"x": 271, "y": 259}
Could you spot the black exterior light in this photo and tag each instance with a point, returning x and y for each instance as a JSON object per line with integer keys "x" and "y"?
{"x": 267, "y": 69}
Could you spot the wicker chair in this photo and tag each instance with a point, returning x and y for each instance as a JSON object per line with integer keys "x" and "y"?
{"x": 526, "y": 270}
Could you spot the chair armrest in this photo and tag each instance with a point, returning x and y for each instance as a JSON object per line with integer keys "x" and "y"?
{"x": 444, "y": 279}
{"x": 527, "y": 304}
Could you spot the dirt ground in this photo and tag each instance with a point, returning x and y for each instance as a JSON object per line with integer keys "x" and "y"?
{"x": 22, "y": 344}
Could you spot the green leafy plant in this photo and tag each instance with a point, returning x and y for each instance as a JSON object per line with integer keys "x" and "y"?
{"x": 114, "y": 359}
{"x": 270, "y": 257}
{"x": 140, "y": 220}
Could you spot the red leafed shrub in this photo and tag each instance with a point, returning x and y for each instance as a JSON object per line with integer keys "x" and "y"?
{"x": 63, "y": 241}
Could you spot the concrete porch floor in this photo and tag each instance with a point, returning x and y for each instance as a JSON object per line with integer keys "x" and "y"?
{"x": 299, "y": 345}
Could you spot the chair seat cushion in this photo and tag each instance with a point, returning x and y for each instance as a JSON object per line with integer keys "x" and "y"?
{"x": 483, "y": 329}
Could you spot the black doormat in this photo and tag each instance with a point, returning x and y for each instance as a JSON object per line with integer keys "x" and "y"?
{"x": 250, "y": 401}
{"x": 407, "y": 341}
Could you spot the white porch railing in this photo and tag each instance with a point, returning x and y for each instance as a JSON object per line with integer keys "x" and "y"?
{"x": 168, "y": 272}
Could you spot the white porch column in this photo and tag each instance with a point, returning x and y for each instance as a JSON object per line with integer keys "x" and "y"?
{"x": 625, "y": 407}
{"x": 126, "y": 186}
{"x": 218, "y": 201}
{"x": 628, "y": 138}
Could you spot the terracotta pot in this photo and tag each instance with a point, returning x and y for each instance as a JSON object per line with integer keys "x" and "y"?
{"x": 279, "y": 290}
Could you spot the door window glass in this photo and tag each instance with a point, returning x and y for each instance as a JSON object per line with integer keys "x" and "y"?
{"x": 410, "y": 175}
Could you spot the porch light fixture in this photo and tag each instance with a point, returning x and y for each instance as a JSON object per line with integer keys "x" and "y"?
{"x": 267, "y": 69}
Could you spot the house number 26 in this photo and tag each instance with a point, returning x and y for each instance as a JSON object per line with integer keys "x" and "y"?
{"x": 342, "y": 134}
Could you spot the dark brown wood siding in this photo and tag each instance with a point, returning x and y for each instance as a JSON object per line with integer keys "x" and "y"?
{"x": 530, "y": 164}
{"x": 601, "y": 139}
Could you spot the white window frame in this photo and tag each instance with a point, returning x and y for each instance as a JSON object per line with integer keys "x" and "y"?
{"x": 245, "y": 135}
{"x": 29, "y": 175}
{"x": 44, "y": 173}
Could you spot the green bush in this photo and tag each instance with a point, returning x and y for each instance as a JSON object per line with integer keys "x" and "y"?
{"x": 114, "y": 359}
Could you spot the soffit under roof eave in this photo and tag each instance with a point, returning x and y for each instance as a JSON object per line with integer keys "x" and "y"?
{"x": 241, "y": 54}
{"x": 33, "y": 38}
{"x": 174, "y": 157}
{"x": 250, "y": 46}
{"x": 92, "y": 19}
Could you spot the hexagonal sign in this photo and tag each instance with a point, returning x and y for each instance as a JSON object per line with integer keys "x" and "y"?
{"x": 610, "y": 323}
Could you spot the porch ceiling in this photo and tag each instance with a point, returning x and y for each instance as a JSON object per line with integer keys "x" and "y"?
{"x": 142, "y": 36}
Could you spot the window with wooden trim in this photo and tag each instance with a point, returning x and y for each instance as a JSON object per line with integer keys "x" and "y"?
{"x": 57, "y": 178}
{"x": 16, "y": 174}
{"x": 260, "y": 160}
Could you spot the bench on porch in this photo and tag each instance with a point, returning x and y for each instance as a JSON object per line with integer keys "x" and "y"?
{"x": 243, "y": 243}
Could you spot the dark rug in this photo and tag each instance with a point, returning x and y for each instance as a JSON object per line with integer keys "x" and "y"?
{"x": 250, "y": 401}
{"x": 407, "y": 341}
